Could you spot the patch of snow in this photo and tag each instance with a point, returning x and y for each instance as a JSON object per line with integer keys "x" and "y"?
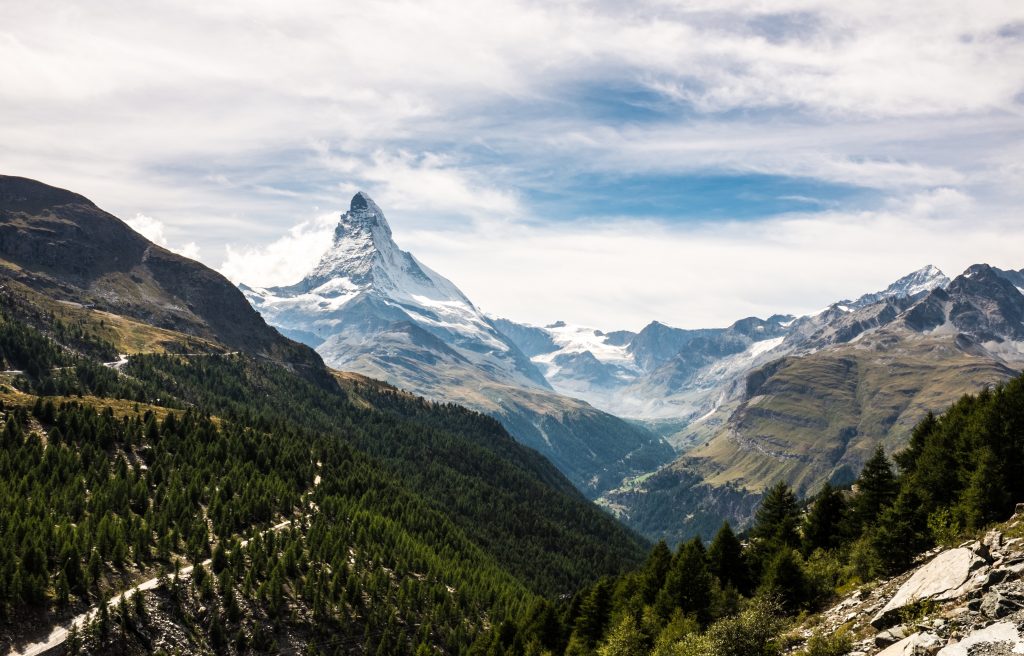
{"x": 765, "y": 345}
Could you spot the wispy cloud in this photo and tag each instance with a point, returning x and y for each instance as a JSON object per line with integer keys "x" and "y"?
{"x": 235, "y": 121}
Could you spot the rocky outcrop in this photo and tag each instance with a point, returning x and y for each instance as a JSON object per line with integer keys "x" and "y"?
{"x": 962, "y": 601}
{"x": 949, "y": 575}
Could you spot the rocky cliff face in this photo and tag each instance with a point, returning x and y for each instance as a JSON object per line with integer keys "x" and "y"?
{"x": 963, "y": 601}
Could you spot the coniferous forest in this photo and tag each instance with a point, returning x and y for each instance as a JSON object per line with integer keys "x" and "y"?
{"x": 348, "y": 516}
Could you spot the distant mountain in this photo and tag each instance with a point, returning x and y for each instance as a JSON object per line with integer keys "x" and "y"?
{"x": 670, "y": 377}
{"x": 841, "y": 382}
{"x": 372, "y": 308}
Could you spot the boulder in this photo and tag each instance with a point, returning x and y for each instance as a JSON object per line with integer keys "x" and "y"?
{"x": 951, "y": 574}
{"x": 996, "y": 605}
{"x": 916, "y": 644}
{"x": 890, "y": 637}
{"x": 998, "y": 633}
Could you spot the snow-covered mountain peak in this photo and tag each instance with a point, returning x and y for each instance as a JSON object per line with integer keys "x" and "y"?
{"x": 364, "y": 284}
{"x": 362, "y": 246}
{"x": 362, "y": 214}
{"x": 923, "y": 280}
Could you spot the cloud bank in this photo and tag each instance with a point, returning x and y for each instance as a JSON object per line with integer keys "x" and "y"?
{"x": 553, "y": 159}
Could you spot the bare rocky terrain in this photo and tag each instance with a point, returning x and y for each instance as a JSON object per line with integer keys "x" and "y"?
{"x": 959, "y": 601}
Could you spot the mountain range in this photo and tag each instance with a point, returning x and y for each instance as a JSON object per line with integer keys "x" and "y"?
{"x": 370, "y": 307}
{"x": 804, "y": 399}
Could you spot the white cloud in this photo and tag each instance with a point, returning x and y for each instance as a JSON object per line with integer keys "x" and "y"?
{"x": 621, "y": 274}
{"x": 189, "y": 250}
{"x": 155, "y": 231}
{"x": 148, "y": 227}
{"x": 625, "y": 274}
{"x": 283, "y": 261}
{"x": 427, "y": 183}
{"x": 232, "y": 120}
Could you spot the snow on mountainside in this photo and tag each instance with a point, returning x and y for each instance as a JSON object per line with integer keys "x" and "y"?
{"x": 919, "y": 282}
{"x": 840, "y": 383}
{"x": 665, "y": 373}
{"x": 372, "y": 308}
{"x": 365, "y": 270}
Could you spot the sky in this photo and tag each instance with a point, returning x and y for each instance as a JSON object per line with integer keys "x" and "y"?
{"x": 602, "y": 163}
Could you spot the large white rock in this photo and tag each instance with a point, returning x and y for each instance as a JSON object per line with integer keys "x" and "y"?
{"x": 912, "y": 645}
{"x": 944, "y": 577}
{"x": 1000, "y": 632}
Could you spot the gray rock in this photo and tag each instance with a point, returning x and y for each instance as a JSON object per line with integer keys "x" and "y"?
{"x": 890, "y": 637}
{"x": 993, "y": 540}
{"x": 914, "y": 645}
{"x": 1000, "y": 633}
{"x": 996, "y": 605}
{"x": 947, "y": 576}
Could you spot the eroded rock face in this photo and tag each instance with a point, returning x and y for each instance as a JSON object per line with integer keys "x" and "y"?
{"x": 949, "y": 575}
{"x": 1002, "y": 634}
{"x": 975, "y": 596}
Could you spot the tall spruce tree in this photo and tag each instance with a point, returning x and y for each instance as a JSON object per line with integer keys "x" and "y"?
{"x": 725, "y": 560}
{"x": 688, "y": 584}
{"x": 778, "y": 517}
{"x": 876, "y": 489}
{"x": 823, "y": 525}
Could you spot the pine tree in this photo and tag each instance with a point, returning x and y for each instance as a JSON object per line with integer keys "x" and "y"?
{"x": 784, "y": 579}
{"x": 823, "y": 526}
{"x": 725, "y": 560}
{"x": 876, "y": 489}
{"x": 687, "y": 584}
{"x": 655, "y": 569}
{"x": 593, "y": 614}
{"x": 777, "y": 518}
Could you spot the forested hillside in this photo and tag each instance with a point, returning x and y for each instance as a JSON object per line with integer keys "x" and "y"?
{"x": 377, "y": 522}
{"x": 960, "y": 474}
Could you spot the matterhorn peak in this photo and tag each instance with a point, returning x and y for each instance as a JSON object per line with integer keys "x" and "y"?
{"x": 363, "y": 215}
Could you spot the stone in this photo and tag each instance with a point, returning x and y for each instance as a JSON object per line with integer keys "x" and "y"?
{"x": 913, "y": 645}
{"x": 993, "y": 540}
{"x": 890, "y": 637}
{"x": 1000, "y": 632}
{"x": 995, "y": 605}
{"x": 947, "y": 576}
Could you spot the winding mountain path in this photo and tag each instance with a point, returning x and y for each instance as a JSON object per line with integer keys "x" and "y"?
{"x": 59, "y": 634}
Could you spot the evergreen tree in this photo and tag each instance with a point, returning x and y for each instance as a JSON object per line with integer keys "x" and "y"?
{"x": 655, "y": 569}
{"x": 876, "y": 489}
{"x": 725, "y": 560}
{"x": 823, "y": 526}
{"x": 901, "y": 532}
{"x": 687, "y": 584}
{"x": 593, "y": 614}
{"x": 778, "y": 516}
{"x": 784, "y": 579}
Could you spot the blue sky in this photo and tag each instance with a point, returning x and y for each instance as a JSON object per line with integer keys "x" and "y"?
{"x": 608, "y": 164}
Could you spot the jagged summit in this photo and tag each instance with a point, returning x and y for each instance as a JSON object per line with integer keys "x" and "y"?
{"x": 364, "y": 257}
{"x": 365, "y": 277}
{"x": 923, "y": 280}
{"x": 917, "y": 282}
{"x": 363, "y": 213}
